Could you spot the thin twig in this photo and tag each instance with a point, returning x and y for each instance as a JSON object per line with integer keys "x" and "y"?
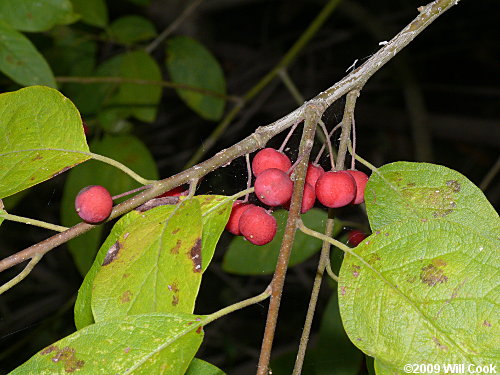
{"x": 313, "y": 113}
{"x": 324, "y": 261}
{"x": 328, "y": 143}
{"x": 287, "y": 138}
{"x": 353, "y": 156}
{"x": 249, "y": 178}
{"x": 346, "y": 127}
{"x": 259, "y": 138}
{"x": 328, "y": 136}
{"x": 174, "y": 25}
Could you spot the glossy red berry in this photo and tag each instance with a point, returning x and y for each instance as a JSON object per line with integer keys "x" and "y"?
{"x": 308, "y": 199}
{"x": 258, "y": 226}
{"x": 175, "y": 192}
{"x": 336, "y": 189}
{"x": 233, "y": 224}
{"x": 361, "y": 179}
{"x": 273, "y": 187}
{"x": 314, "y": 172}
{"x": 94, "y": 204}
{"x": 268, "y": 158}
{"x": 355, "y": 237}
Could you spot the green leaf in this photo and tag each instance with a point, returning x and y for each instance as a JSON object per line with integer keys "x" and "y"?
{"x": 246, "y": 259}
{"x": 347, "y": 359}
{"x": 43, "y": 136}
{"x": 199, "y": 367}
{"x": 39, "y": 15}
{"x": 93, "y": 12}
{"x": 215, "y": 211}
{"x": 21, "y": 61}
{"x": 139, "y": 344}
{"x": 189, "y": 63}
{"x": 124, "y": 99}
{"x": 405, "y": 190}
{"x": 83, "y": 308}
{"x": 423, "y": 291}
{"x": 131, "y": 29}
{"x": 155, "y": 266}
{"x": 128, "y": 150}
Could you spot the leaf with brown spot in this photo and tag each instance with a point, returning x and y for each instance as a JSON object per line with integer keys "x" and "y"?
{"x": 149, "y": 343}
{"x": 427, "y": 191}
{"x": 83, "y": 311}
{"x": 426, "y": 297}
{"x": 160, "y": 253}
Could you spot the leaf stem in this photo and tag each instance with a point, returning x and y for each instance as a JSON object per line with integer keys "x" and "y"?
{"x": 322, "y": 237}
{"x": 22, "y": 275}
{"x": 237, "y": 306}
{"x": 361, "y": 160}
{"x": 121, "y": 167}
{"x": 38, "y": 223}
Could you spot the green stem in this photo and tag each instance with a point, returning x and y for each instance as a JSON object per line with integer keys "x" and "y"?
{"x": 230, "y": 198}
{"x": 121, "y": 167}
{"x": 38, "y": 223}
{"x": 22, "y": 275}
{"x": 237, "y": 306}
{"x": 330, "y": 272}
{"x": 323, "y": 237}
{"x": 264, "y": 81}
{"x": 361, "y": 160}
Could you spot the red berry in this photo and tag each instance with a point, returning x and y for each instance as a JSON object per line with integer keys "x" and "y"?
{"x": 336, "y": 189}
{"x": 258, "y": 226}
{"x": 314, "y": 172}
{"x": 355, "y": 237}
{"x": 273, "y": 187}
{"x": 175, "y": 192}
{"x": 361, "y": 179}
{"x": 270, "y": 158}
{"x": 94, "y": 204}
{"x": 308, "y": 199}
{"x": 233, "y": 224}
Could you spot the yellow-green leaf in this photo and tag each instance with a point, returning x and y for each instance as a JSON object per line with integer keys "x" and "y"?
{"x": 42, "y": 136}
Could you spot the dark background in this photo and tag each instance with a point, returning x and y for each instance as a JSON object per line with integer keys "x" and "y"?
{"x": 438, "y": 101}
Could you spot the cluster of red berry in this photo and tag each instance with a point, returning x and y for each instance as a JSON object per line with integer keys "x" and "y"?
{"x": 273, "y": 187}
